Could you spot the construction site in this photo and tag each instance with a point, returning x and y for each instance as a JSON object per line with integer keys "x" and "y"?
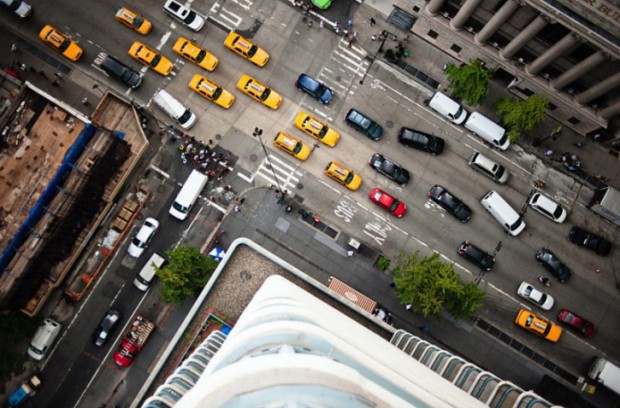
{"x": 61, "y": 174}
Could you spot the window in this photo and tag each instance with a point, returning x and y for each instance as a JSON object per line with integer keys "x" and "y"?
{"x": 455, "y": 48}
{"x": 433, "y": 34}
{"x": 573, "y": 120}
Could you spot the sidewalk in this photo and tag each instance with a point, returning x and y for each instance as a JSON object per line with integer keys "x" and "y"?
{"x": 429, "y": 60}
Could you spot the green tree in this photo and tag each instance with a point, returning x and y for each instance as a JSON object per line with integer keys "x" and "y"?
{"x": 469, "y": 82}
{"x": 430, "y": 285}
{"x": 185, "y": 274}
{"x": 522, "y": 115}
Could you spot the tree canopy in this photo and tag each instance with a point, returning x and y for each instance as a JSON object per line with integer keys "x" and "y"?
{"x": 185, "y": 274}
{"x": 469, "y": 82}
{"x": 522, "y": 115}
{"x": 430, "y": 285}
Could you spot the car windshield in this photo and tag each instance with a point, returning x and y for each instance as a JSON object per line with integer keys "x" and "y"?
{"x": 558, "y": 212}
{"x": 137, "y": 242}
{"x": 156, "y": 59}
{"x": 349, "y": 178}
{"x": 191, "y": 16}
{"x": 252, "y": 51}
{"x": 516, "y": 224}
{"x": 297, "y": 148}
{"x": 64, "y": 45}
{"x": 394, "y": 205}
{"x": 265, "y": 94}
{"x": 201, "y": 55}
{"x": 137, "y": 22}
{"x": 323, "y": 131}
{"x": 217, "y": 93}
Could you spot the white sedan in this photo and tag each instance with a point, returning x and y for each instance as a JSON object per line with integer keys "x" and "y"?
{"x": 143, "y": 237}
{"x": 540, "y": 299}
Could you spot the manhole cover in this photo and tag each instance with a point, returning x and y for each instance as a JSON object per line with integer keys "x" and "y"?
{"x": 299, "y": 186}
{"x": 338, "y": 78}
{"x": 218, "y": 136}
{"x": 253, "y": 157}
{"x": 245, "y": 275}
{"x": 389, "y": 124}
{"x": 161, "y": 188}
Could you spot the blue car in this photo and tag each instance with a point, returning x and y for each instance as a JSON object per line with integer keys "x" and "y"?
{"x": 314, "y": 88}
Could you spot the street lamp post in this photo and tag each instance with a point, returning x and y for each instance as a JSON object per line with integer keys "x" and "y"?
{"x": 384, "y": 36}
{"x": 257, "y": 133}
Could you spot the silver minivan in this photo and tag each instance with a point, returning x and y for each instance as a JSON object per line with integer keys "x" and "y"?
{"x": 484, "y": 165}
{"x": 44, "y": 338}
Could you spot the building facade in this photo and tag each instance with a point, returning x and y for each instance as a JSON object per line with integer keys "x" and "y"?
{"x": 565, "y": 50}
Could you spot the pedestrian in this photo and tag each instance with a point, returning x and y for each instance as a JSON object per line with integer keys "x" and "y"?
{"x": 58, "y": 75}
{"x": 549, "y": 153}
{"x": 350, "y": 22}
{"x": 409, "y": 306}
{"x": 321, "y": 24}
{"x": 578, "y": 145}
{"x": 13, "y": 47}
{"x": 310, "y": 23}
{"x": 237, "y": 208}
{"x": 56, "y": 83}
{"x": 85, "y": 102}
{"x": 373, "y": 37}
{"x": 372, "y": 21}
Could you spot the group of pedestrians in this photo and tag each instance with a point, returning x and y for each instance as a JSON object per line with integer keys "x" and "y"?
{"x": 204, "y": 158}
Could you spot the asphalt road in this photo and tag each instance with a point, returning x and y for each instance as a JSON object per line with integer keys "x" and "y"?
{"x": 390, "y": 98}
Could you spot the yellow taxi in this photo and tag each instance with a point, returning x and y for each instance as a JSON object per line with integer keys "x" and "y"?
{"x": 538, "y": 325}
{"x": 246, "y": 49}
{"x": 260, "y": 92}
{"x": 133, "y": 20}
{"x": 292, "y": 146}
{"x": 151, "y": 58}
{"x": 199, "y": 56}
{"x": 343, "y": 175}
{"x": 211, "y": 91}
{"x": 316, "y": 129}
{"x": 60, "y": 43}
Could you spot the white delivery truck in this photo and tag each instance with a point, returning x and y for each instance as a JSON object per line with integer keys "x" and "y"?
{"x": 188, "y": 195}
{"x": 606, "y": 373}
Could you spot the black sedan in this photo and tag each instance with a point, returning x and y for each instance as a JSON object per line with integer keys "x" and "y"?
{"x": 589, "y": 240}
{"x": 421, "y": 141}
{"x": 450, "y": 203}
{"x": 476, "y": 255}
{"x": 389, "y": 168}
{"x": 551, "y": 263}
{"x": 106, "y": 327}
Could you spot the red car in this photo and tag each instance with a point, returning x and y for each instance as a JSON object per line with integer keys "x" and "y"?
{"x": 584, "y": 327}
{"x": 388, "y": 202}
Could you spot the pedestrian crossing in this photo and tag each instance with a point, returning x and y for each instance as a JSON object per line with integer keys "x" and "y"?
{"x": 286, "y": 175}
{"x": 341, "y": 73}
{"x": 226, "y": 17}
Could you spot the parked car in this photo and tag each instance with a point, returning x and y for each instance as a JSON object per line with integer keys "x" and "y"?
{"x": 314, "y": 88}
{"x": 538, "y": 325}
{"x": 186, "y": 16}
{"x": 547, "y": 207}
{"x": 551, "y": 263}
{"x": 19, "y": 7}
{"x": 259, "y": 92}
{"x": 364, "y": 124}
{"x": 119, "y": 71}
{"x": 450, "y": 203}
{"x": 529, "y": 292}
{"x": 421, "y": 141}
{"x": 389, "y": 168}
{"x": 61, "y": 43}
{"x": 151, "y": 58}
{"x": 246, "y": 49}
{"x": 388, "y": 202}
{"x": 589, "y": 240}
{"x": 143, "y": 237}
{"x": 576, "y": 322}
{"x": 491, "y": 169}
{"x": 106, "y": 327}
{"x": 476, "y": 255}
{"x": 133, "y": 20}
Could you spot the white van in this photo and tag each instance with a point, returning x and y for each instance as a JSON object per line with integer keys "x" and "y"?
{"x": 490, "y": 131}
{"x": 147, "y": 273}
{"x": 175, "y": 109}
{"x": 448, "y": 107}
{"x": 188, "y": 195}
{"x": 606, "y": 373}
{"x": 44, "y": 338}
{"x": 502, "y": 211}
